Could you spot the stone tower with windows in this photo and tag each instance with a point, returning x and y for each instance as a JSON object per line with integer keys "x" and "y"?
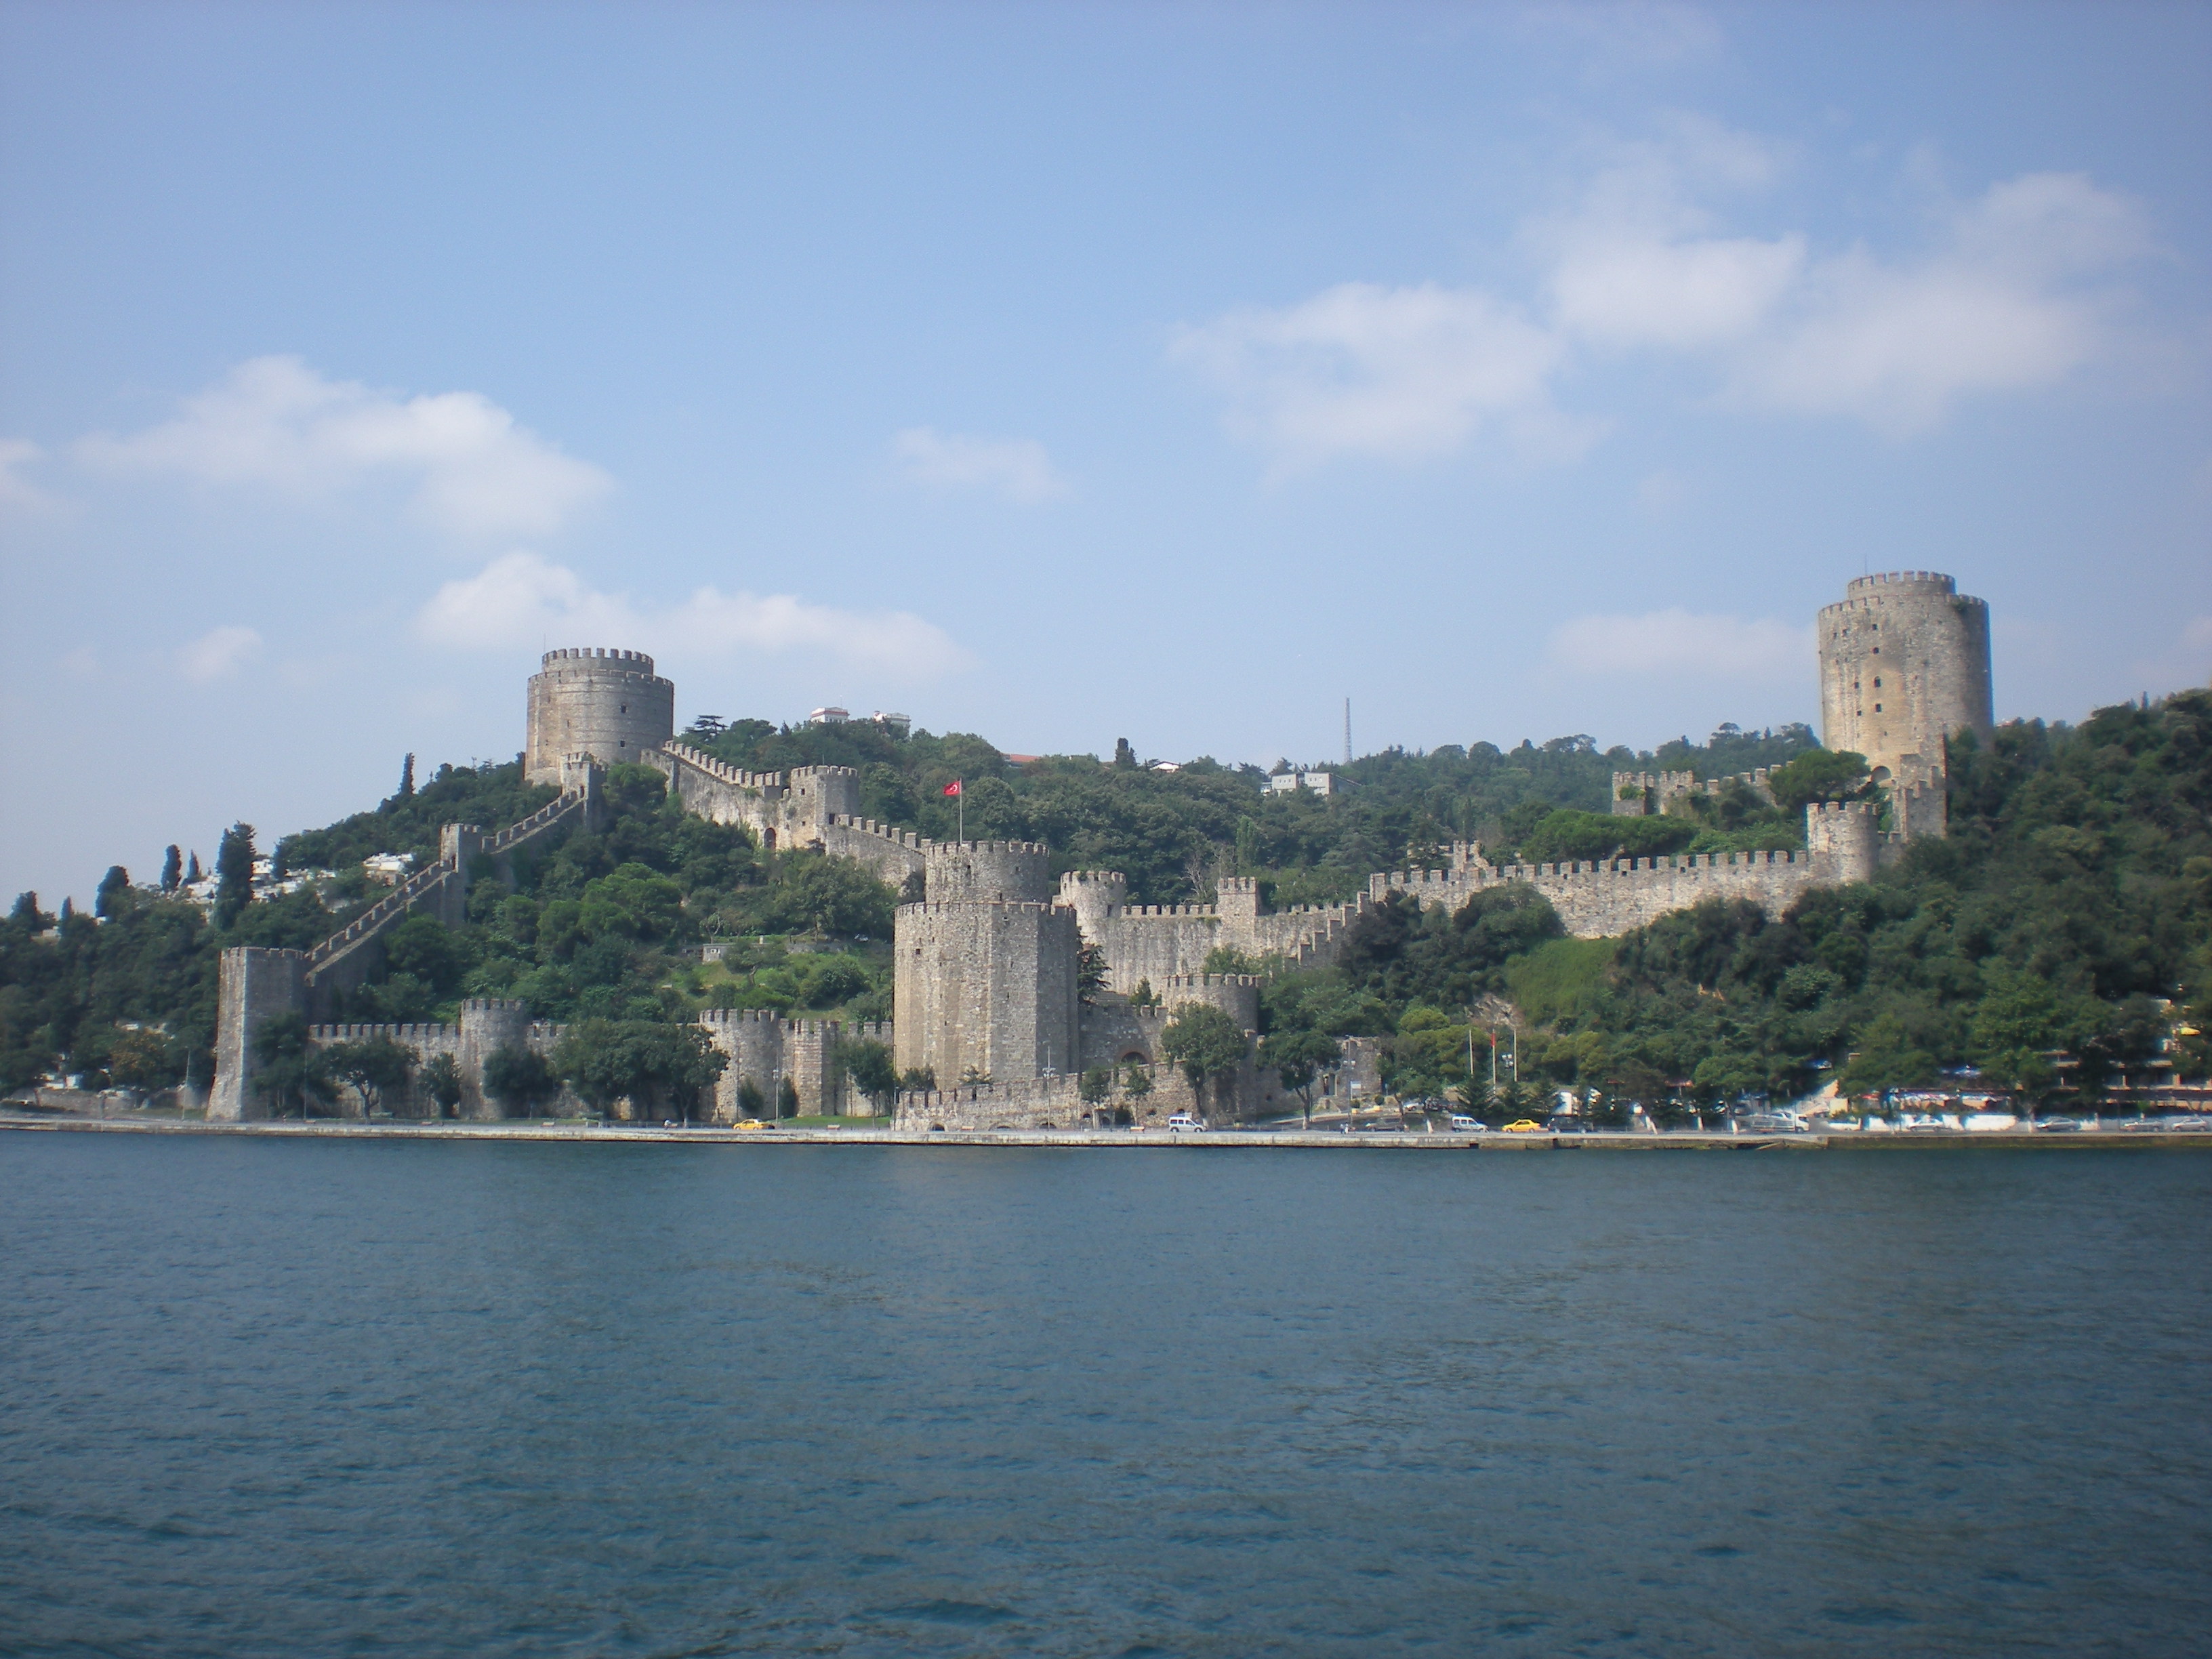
{"x": 1905, "y": 663}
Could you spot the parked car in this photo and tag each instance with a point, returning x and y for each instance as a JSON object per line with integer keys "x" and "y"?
{"x": 750, "y": 1123}
{"x": 2194, "y": 1125}
{"x": 1182, "y": 1121}
{"x": 1461, "y": 1125}
{"x": 1525, "y": 1126}
{"x": 2058, "y": 1125}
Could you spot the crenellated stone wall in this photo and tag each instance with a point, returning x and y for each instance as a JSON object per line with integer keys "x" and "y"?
{"x": 1638, "y": 794}
{"x": 765, "y": 1049}
{"x": 784, "y": 810}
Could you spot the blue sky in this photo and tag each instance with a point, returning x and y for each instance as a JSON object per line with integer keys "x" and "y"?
{"x": 1066, "y": 373}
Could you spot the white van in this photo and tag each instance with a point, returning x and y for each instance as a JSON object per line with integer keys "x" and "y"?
{"x": 1463, "y": 1125}
{"x": 1182, "y": 1121}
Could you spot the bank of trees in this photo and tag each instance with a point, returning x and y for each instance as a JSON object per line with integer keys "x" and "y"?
{"x": 2055, "y": 941}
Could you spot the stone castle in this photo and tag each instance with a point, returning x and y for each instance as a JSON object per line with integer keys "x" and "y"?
{"x": 986, "y": 992}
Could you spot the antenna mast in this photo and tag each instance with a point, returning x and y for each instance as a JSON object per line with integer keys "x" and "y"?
{"x": 1348, "y": 731}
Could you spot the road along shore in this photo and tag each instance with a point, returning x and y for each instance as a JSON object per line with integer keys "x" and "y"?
{"x": 572, "y": 1133}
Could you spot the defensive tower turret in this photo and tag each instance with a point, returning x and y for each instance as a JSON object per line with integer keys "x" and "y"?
{"x": 1904, "y": 662}
{"x": 607, "y": 704}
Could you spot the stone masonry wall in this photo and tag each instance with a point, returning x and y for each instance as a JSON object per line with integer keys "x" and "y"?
{"x": 985, "y": 987}
{"x": 1599, "y": 901}
{"x": 764, "y": 1048}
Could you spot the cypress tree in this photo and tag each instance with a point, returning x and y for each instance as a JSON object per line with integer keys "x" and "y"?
{"x": 173, "y": 869}
{"x": 233, "y": 870}
{"x": 114, "y": 892}
{"x": 407, "y": 777}
{"x": 192, "y": 870}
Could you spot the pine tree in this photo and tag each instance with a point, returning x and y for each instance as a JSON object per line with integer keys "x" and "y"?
{"x": 407, "y": 777}
{"x": 173, "y": 869}
{"x": 192, "y": 870}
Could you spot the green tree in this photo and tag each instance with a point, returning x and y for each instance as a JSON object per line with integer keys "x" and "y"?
{"x": 1889, "y": 1056}
{"x": 233, "y": 872}
{"x": 2015, "y": 1023}
{"x": 1136, "y": 1083}
{"x": 645, "y": 1062}
{"x": 142, "y": 1060}
{"x": 1096, "y": 1088}
{"x": 787, "y": 1099}
{"x": 370, "y": 1068}
{"x": 920, "y": 1079}
{"x": 1090, "y": 972}
{"x": 752, "y": 1104}
{"x": 113, "y": 897}
{"x": 1817, "y": 774}
{"x": 868, "y": 1064}
{"x": 173, "y": 869}
{"x": 290, "y": 1073}
{"x": 1205, "y": 1043}
{"x": 442, "y": 1080}
{"x": 518, "y": 1079}
{"x": 1299, "y": 1057}
{"x": 1227, "y": 959}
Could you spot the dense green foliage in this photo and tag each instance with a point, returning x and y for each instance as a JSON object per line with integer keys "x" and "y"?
{"x": 2074, "y": 893}
{"x": 2032, "y": 949}
{"x": 1175, "y": 834}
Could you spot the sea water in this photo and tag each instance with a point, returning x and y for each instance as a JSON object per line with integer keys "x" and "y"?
{"x": 282, "y": 1398}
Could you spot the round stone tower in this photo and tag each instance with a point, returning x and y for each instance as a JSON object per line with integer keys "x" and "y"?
{"x": 607, "y": 704}
{"x": 1904, "y": 662}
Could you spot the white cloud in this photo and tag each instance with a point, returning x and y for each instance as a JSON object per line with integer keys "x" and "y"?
{"x": 1678, "y": 641}
{"x": 2017, "y": 291}
{"x": 520, "y": 598}
{"x": 275, "y": 423}
{"x": 1017, "y": 468}
{"x": 1399, "y": 373}
{"x": 2015, "y": 299}
{"x": 15, "y": 491}
{"x": 218, "y": 653}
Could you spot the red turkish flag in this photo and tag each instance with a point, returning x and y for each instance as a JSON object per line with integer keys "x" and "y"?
{"x": 953, "y": 787}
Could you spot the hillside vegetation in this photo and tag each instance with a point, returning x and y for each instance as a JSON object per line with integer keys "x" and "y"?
{"x": 2039, "y": 946}
{"x": 2035, "y": 943}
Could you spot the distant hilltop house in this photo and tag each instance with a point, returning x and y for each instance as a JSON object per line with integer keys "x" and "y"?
{"x": 1315, "y": 780}
{"x": 986, "y": 981}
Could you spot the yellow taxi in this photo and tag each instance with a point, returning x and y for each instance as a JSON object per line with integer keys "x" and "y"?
{"x": 1525, "y": 1126}
{"x": 749, "y": 1123}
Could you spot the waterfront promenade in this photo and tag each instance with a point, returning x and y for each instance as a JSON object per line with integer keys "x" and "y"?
{"x": 570, "y": 1130}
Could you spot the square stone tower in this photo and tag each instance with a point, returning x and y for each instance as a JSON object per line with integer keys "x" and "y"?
{"x": 985, "y": 974}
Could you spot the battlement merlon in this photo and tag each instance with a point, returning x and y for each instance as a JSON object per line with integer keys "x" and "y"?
{"x": 634, "y": 659}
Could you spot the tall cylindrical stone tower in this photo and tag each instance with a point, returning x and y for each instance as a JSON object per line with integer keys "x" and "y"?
{"x": 607, "y": 704}
{"x": 1904, "y": 662}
